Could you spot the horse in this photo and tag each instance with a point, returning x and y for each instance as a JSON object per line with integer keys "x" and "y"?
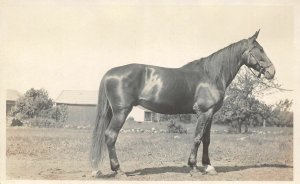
{"x": 197, "y": 87}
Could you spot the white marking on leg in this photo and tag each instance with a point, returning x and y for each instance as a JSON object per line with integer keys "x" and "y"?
{"x": 209, "y": 169}
{"x": 96, "y": 173}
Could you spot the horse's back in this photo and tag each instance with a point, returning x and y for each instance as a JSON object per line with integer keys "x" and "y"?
{"x": 164, "y": 90}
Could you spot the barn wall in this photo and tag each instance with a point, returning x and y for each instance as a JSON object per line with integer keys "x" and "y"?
{"x": 81, "y": 114}
{"x": 86, "y": 114}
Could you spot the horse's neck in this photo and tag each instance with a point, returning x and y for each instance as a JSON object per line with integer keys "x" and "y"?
{"x": 230, "y": 70}
{"x": 223, "y": 65}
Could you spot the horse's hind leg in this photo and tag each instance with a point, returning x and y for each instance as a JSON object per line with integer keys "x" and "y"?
{"x": 111, "y": 134}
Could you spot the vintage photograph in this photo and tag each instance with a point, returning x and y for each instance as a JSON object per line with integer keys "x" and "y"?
{"x": 148, "y": 91}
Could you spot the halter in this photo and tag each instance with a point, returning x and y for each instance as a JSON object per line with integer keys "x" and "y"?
{"x": 261, "y": 68}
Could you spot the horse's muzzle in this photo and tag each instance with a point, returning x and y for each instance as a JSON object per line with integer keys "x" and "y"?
{"x": 269, "y": 73}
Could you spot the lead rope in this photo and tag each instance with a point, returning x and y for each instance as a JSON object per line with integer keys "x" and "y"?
{"x": 280, "y": 89}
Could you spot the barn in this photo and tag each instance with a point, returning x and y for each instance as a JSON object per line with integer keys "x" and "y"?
{"x": 11, "y": 98}
{"x": 82, "y": 107}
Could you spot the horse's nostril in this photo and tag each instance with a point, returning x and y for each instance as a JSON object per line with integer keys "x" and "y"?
{"x": 269, "y": 75}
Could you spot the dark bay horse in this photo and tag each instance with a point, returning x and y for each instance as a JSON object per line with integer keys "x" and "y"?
{"x": 197, "y": 87}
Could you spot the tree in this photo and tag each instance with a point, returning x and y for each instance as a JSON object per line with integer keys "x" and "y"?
{"x": 284, "y": 105}
{"x": 241, "y": 104}
{"x": 265, "y": 111}
{"x": 32, "y": 104}
{"x": 282, "y": 114}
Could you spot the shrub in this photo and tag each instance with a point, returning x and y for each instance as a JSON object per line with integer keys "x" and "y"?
{"x": 32, "y": 103}
{"x": 176, "y": 128}
{"x": 36, "y": 108}
{"x": 16, "y": 122}
{"x": 184, "y": 118}
{"x": 43, "y": 123}
{"x": 58, "y": 113}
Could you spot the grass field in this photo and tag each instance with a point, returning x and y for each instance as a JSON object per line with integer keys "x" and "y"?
{"x": 40, "y": 153}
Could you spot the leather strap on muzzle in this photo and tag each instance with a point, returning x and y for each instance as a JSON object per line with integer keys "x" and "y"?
{"x": 261, "y": 68}
{"x": 260, "y": 72}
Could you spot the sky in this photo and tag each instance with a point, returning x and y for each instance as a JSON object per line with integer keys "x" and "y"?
{"x": 69, "y": 46}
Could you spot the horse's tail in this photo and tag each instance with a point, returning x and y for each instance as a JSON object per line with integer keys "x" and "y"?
{"x": 104, "y": 115}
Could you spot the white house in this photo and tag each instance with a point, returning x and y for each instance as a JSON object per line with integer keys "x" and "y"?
{"x": 140, "y": 114}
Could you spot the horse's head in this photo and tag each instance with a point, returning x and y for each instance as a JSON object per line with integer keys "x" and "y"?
{"x": 256, "y": 58}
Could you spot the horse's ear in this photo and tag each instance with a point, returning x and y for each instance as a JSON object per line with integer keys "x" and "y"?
{"x": 253, "y": 38}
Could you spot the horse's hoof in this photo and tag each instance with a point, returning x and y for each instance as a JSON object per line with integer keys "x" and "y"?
{"x": 195, "y": 172}
{"x": 210, "y": 170}
{"x": 120, "y": 174}
{"x": 96, "y": 174}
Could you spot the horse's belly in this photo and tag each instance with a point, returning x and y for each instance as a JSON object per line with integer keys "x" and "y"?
{"x": 167, "y": 104}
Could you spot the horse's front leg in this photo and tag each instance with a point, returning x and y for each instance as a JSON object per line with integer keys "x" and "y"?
{"x": 209, "y": 169}
{"x": 203, "y": 121}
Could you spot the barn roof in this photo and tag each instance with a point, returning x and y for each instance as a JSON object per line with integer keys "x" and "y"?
{"x": 77, "y": 97}
{"x": 12, "y": 95}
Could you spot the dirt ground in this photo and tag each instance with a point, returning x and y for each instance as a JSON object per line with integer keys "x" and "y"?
{"x": 59, "y": 154}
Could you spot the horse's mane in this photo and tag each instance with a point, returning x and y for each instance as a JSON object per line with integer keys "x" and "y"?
{"x": 224, "y": 60}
